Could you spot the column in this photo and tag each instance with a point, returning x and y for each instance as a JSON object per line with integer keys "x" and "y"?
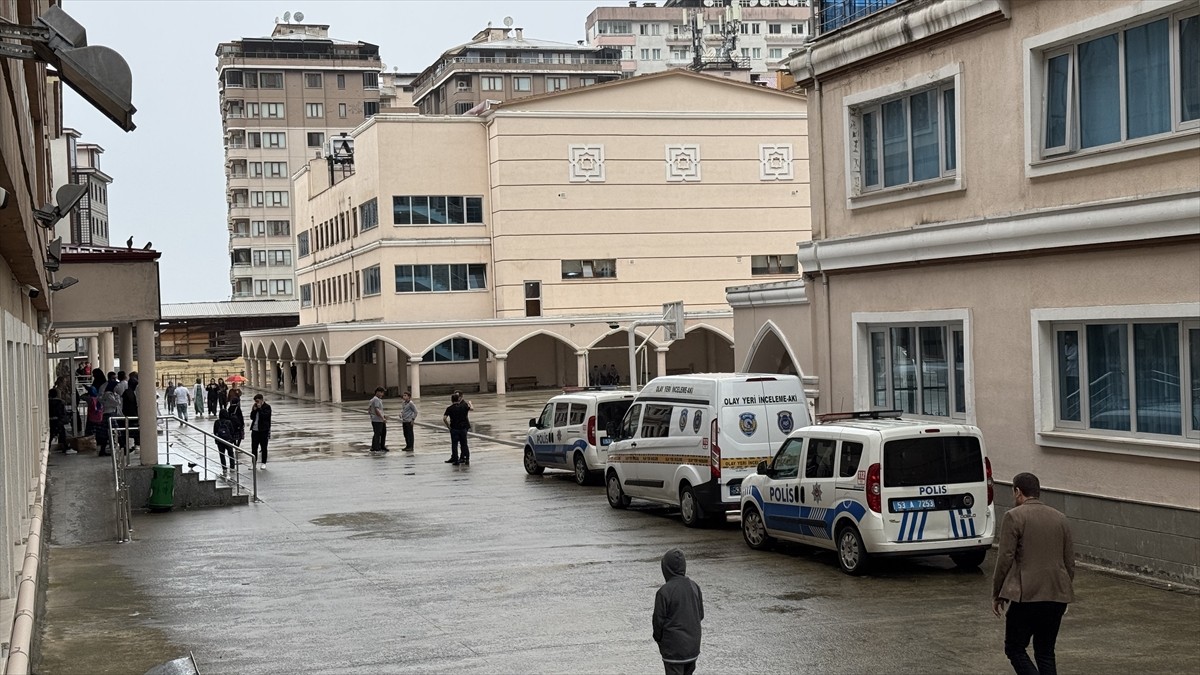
{"x": 264, "y": 377}
{"x": 106, "y": 350}
{"x": 581, "y": 369}
{"x": 251, "y": 373}
{"x": 710, "y": 346}
{"x": 147, "y": 410}
{"x": 483, "y": 371}
{"x": 277, "y": 368}
{"x": 380, "y": 366}
{"x": 560, "y": 366}
{"x": 501, "y": 374}
{"x": 287, "y": 377}
{"x": 126, "y": 347}
{"x": 414, "y": 376}
{"x": 335, "y": 382}
{"x": 301, "y": 376}
{"x": 321, "y": 381}
{"x": 93, "y": 353}
{"x": 661, "y": 353}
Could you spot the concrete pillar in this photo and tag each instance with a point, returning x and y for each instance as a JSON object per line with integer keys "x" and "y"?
{"x": 106, "y": 350}
{"x": 320, "y": 381}
{"x": 301, "y": 377}
{"x": 560, "y": 366}
{"x": 335, "y": 382}
{"x": 93, "y": 353}
{"x": 483, "y": 370}
{"x": 147, "y": 408}
{"x": 414, "y": 376}
{"x": 501, "y": 374}
{"x": 380, "y": 366}
{"x": 287, "y": 377}
{"x": 126, "y": 348}
{"x": 252, "y": 373}
{"x": 661, "y": 353}
{"x": 265, "y": 374}
{"x": 581, "y": 369}
{"x": 710, "y": 345}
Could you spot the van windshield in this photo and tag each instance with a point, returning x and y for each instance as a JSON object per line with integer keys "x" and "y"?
{"x": 932, "y": 460}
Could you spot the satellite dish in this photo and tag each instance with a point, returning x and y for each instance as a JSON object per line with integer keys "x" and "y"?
{"x": 298, "y": 16}
{"x": 508, "y": 22}
{"x": 395, "y": 69}
{"x": 287, "y": 16}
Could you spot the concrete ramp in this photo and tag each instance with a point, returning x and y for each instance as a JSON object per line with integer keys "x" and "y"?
{"x": 82, "y": 499}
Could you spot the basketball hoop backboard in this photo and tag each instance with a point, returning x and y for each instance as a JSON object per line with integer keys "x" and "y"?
{"x": 673, "y": 315}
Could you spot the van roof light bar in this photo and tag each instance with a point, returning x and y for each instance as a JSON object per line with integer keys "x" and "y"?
{"x": 860, "y": 415}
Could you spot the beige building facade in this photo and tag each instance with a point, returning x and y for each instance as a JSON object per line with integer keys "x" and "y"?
{"x": 1006, "y": 233}
{"x": 516, "y": 248}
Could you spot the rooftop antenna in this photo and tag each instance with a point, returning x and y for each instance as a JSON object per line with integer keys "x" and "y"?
{"x": 287, "y": 17}
{"x": 298, "y": 16}
{"x": 508, "y": 22}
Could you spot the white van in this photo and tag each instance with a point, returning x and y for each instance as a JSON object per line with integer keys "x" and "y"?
{"x": 573, "y": 432}
{"x": 870, "y": 484}
{"x": 691, "y": 439}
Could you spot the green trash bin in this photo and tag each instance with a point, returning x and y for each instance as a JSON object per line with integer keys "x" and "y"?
{"x": 162, "y": 488}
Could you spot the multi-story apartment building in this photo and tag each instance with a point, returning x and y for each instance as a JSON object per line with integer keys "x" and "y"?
{"x": 282, "y": 98}
{"x": 79, "y": 163}
{"x": 501, "y": 63}
{"x": 651, "y": 37}
{"x": 1006, "y": 233}
{"x": 396, "y": 90}
{"x": 518, "y": 246}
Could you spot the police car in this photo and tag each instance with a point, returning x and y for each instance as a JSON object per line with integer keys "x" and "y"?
{"x": 573, "y": 432}
{"x": 871, "y": 484}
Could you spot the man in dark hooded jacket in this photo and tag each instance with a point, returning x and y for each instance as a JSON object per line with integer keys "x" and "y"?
{"x": 678, "y": 611}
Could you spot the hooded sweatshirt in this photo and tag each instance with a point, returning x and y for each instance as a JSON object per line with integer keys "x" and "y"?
{"x": 678, "y": 611}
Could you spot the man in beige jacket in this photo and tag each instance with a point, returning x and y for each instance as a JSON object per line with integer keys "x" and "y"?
{"x": 1035, "y": 567}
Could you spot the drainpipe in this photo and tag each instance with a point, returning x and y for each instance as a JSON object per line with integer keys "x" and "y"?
{"x": 21, "y": 638}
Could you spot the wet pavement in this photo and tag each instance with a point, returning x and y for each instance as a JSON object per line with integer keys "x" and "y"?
{"x": 398, "y": 563}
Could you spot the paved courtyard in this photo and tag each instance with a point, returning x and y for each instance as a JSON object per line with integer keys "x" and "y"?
{"x": 399, "y": 563}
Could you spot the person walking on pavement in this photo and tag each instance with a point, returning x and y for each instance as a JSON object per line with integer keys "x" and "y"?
{"x": 198, "y": 398}
{"x": 408, "y": 415}
{"x": 260, "y": 429}
{"x": 170, "y": 392}
{"x": 222, "y": 393}
{"x": 457, "y": 420}
{"x": 678, "y": 611}
{"x": 58, "y": 422}
{"x": 129, "y": 409}
{"x": 211, "y": 395}
{"x": 110, "y": 404}
{"x": 236, "y": 418}
{"x": 378, "y": 422}
{"x": 183, "y": 401}
{"x": 1035, "y": 570}
{"x": 223, "y": 430}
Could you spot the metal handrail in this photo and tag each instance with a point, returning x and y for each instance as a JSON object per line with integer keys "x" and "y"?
{"x": 120, "y": 461}
{"x": 234, "y": 478}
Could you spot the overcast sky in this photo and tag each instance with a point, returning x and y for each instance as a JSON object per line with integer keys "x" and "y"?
{"x": 168, "y": 175}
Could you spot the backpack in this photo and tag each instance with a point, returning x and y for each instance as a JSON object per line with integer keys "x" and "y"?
{"x": 223, "y": 430}
{"x": 129, "y": 402}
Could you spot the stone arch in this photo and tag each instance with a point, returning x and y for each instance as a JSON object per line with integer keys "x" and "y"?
{"x": 703, "y": 349}
{"x": 372, "y": 363}
{"x": 361, "y": 343}
{"x": 260, "y": 350}
{"x": 546, "y": 356}
{"x": 273, "y": 351}
{"x": 458, "y": 334}
{"x": 770, "y": 352}
{"x": 301, "y": 352}
{"x": 612, "y": 349}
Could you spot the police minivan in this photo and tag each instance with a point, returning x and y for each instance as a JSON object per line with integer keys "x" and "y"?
{"x": 871, "y": 484}
{"x": 573, "y": 432}
{"x": 689, "y": 440}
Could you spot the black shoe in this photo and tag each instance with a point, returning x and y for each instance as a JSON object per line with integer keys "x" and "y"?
{"x": 406, "y": 449}
{"x": 455, "y": 463}
{"x": 467, "y": 462}
{"x": 451, "y": 461}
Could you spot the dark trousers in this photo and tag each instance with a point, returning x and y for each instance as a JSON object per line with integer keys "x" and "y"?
{"x": 226, "y": 448}
{"x": 408, "y": 435}
{"x": 212, "y": 406}
{"x": 259, "y": 439}
{"x": 679, "y": 668}
{"x": 458, "y": 438}
{"x": 378, "y": 435}
{"x": 103, "y": 440}
{"x": 58, "y": 431}
{"x": 1037, "y": 620}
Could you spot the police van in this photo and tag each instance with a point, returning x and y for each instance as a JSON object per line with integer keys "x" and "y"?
{"x": 871, "y": 484}
{"x": 689, "y": 440}
{"x": 573, "y": 432}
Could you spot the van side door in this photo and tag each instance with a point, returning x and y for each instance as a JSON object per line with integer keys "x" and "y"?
{"x": 562, "y": 410}
{"x": 542, "y": 438}
{"x": 656, "y": 466}
{"x": 780, "y": 497}
{"x": 625, "y": 456}
{"x": 817, "y": 493}
{"x": 574, "y": 433}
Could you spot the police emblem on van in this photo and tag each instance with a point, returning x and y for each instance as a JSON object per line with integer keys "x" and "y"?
{"x": 785, "y": 421}
{"x": 747, "y": 423}
{"x": 683, "y": 419}
{"x": 696, "y": 422}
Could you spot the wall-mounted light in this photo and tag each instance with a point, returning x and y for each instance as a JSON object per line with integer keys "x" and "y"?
{"x": 66, "y": 282}
{"x": 67, "y": 198}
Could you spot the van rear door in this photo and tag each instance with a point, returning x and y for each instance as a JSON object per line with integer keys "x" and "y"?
{"x": 933, "y": 487}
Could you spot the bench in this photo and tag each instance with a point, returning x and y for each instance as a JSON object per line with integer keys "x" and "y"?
{"x": 522, "y": 381}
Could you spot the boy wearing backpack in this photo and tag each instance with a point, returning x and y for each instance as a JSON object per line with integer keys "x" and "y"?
{"x": 223, "y": 430}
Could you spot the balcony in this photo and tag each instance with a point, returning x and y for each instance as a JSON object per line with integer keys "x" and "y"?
{"x": 514, "y": 64}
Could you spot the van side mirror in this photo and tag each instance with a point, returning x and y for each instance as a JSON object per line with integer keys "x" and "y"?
{"x": 762, "y": 468}
{"x": 533, "y": 422}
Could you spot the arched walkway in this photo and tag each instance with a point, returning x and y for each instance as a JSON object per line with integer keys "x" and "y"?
{"x": 702, "y": 350}
{"x": 543, "y": 360}
{"x": 770, "y": 353}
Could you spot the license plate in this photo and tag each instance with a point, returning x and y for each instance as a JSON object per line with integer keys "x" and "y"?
{"x": 901, "y": 505}
{"x": 735, "y": 490}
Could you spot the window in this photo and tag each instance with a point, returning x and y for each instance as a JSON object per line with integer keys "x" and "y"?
{"x": 587, "y": 81}
{"x": 614, "y": 28}
{"x": 240, "y": 256}
{"x": 281, "y": 286}
{"x": 491, "y": 83}
{"x": 368, "y": 215}
{"x": 256, "y": 200}
{"x": 463, "y": 107}
{"x": 261, "y": 287}
{"x": 437, "y": 210}
{"x": 276, "y": 198}
{"x": 918, "y": 369}
{"x": 241, "y": 228}
{"x": 342, "y": 110}
{"x": 454, "y": 349}
{"x": 255, "y": 169}
{"x": 1128, "y": 378}
{"x": 774, "y": 29}
{"x": 314, "y": 110}
{"x": 279, "y": 228}
{"x": 656, "y": 54}
{"x": 259, "y": 227}
{"x": 588, "y": 269}
{"x": 341, "y": 81}
{"x": 279, "y": 257}
{"x": 932, "y": 460}
{"x": 533, "y": 298}
{"x": 441, "y": 278}
{"x": 251, "y": 79}
{"x": 253, "y": 110}
{"x": 908, "y": 139}
{"x": 775, "y": 53}
{"x": 233, "y": 78}
{"x": 818, "y": 463}
{"x": 274, "y": 139}
{"x": 315, "y": 139}
{"x": 645, "y": 54}
{"x": 270, "y": 80}
{"x": 253, "y": 140}
{"x": 370, "y": 108}
{"x": 850, "y": 457}
{"x": 798, "y": 29}
{"x": 312, "y": 80}
{"x": 556, "y": 83}
{"x": 370, "y": 80}
{"x": 522, "y": 83}
{"x": 370, "y": 280}
{"x": 275, "y": 169}
{"x": 272, "y": 110}
{"x": 787, "y": 461}
{"x": 773, "y": 264}
{"x": 756, "y": 53}
{"x": 306, "y": 295}
{"x": 302, "y": 244}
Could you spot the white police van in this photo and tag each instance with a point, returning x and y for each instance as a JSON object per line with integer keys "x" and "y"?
{"x": 689, "y": 440}
{"x": 872, "y": 484}
{"x": 573, "y": 432}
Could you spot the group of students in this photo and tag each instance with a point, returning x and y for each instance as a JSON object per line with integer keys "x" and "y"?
{"x": 604, "y": 376}
{"x": 230, "y": 429}
{"x": 456, "y": 418}
{"x": 181, "y": 397}
{"x": 108, "y": 396}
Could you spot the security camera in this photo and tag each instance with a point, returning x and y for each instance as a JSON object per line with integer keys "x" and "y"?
{"x": 614, "y": 325}
{"x": 31, "y": 291}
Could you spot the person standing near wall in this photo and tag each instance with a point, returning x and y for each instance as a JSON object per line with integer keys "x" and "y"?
{"x": 378, "y": 422}
{"x": 408, "y": 415}
{"x": 1035, "y": 570}
{"x": 260, "y": 429}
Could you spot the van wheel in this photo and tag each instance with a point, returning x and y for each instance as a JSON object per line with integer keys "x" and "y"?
{"x": 754, "y": 530}
{"x": 968, "y": 560}
{"x": 581, "y": 470}
{"x": 852, "y": 555}
{"x": 689, "y": 508}
{"x": 616, "y": 496}
{"x": 531, "y": 466}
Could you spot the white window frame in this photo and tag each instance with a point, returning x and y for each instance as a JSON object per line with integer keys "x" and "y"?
{"x": 518, "y": 80}
{"x": 342, "y": 110}
{"x": 272, "y": 110}
{"x": 1050, "y": 432}
{"x": 314, "y": 110}
{"x": 274, "y": 139}
{"x": 281, "y": 286}
{"x": 864, "y": 322}
{"x": 258, "y": 257}
{"x": 1039, "y": 49}
{"x": 852, "y": 106}
{"x": 566, "y": 83}
{"x": 276, "y": 198}
{"x": 275, "y": 169}
{"x": 491, "y": 83}
{"x": 261, "y": 287}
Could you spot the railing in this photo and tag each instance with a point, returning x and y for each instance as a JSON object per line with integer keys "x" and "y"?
{"x": 512, "y": 60}
{"x": 207, "y": 441}
{"x": 120, "y": 461}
